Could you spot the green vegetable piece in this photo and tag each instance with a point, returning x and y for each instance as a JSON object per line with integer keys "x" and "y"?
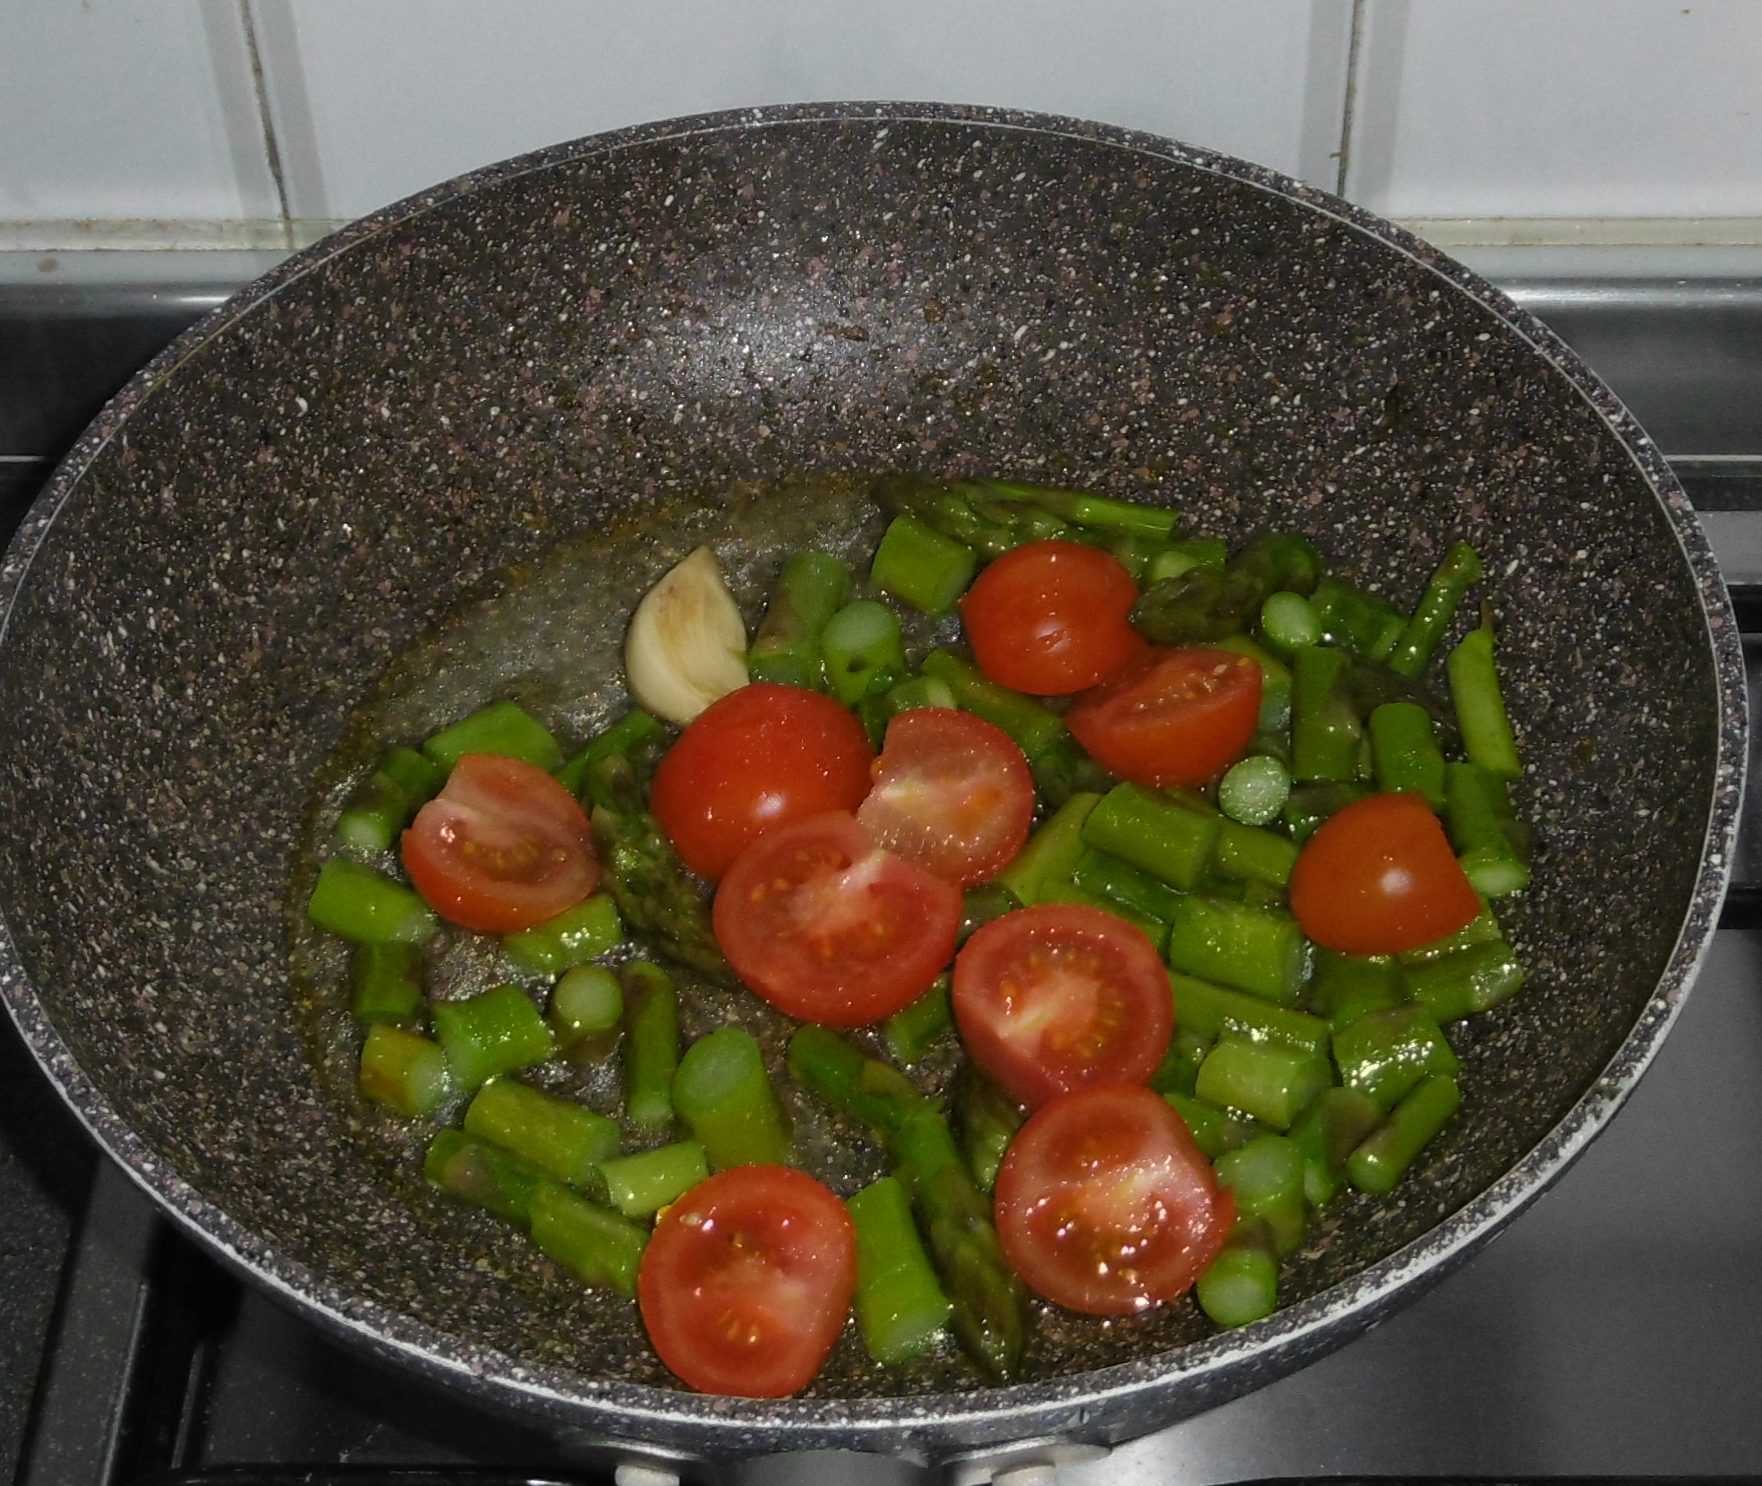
{"x": 1203, "y": 605}
{"x": 1275, "y": 683}
{"x": 985, "y": 1120}
{"x": 498, "y": 1031}
{"x": 1213, "y": 1011}
{"x": 1266, "y": 1175}
{"x": 359, "y": 904}
{"x": 1249, "y": 854}
{"x": 1353, "y": 619}
{"x": 867, "y": 1089}
{"x": 629, "y": 735}
{"x": 1138, "y": 894}
{"x": 651, "y": 1045}
{"x": 1311, "y": 804}
{"x": 1386, "y": 1053}
{"x": 1241, "y": 1284}
{"x": 1151, "y": 831}
{"x": 1382, "y": 1158}
{"x": 1483, "y": 929}
{"x": 919, "y": 566}
{"x": 1459, "y": 571}
{"x": 504, "y": 728}
{"x": 1327, "y": 1134}
{"x": 404, "y": 1071}
{"x": 981, "y": 904}
{"x": 1179, "y": 1069}
{"x": 1183, "y": 555}
{"x": 1236, "y": 944}
{"x": 388, "y": 984}
{"x": 1467, "y": 982}
{"x": 1325, "y": 728}
{"x": 1344, "y": 987}
{"x": 556, "y": 1135}
{"x": 587, "y": 1004}
{"x": 1051, "y": 854}
{"x": 1490, "y": 842}
{"x": 812, "y": 587}
{"x": 863, "y": 650}
{"x": 1272, "y": 1082}
{"x": 968, "y": 512}
{"x": 484, "y": 1176}
{"x": 1405, "y": 752}
{"x": 1154, "y": 930}
{"x": 1098, "y": 513}
{"x": 1473, "y": 670}
{"x": 911, "y": 1033}
{"x": 640, "y": 1185}
{"x": 597, "y": 1246}
{"x": 1254, "y": 790}
{"x": 900, "y": 1307}
{"x": 388, "y": 800}
{"x": 1214, "y": 1130}
{"x": 723, "y": 1094}
{"x": 1036, "y": 729}
{"x": 1288, "y": 622}
{"x": 573, "y": 937}
{"x": 916, "y": 691}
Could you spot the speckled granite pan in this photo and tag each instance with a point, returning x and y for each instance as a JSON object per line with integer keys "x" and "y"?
{"x": 593, "y": 345}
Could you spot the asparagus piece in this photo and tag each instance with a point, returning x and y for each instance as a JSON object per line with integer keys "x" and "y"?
{"x": 1311, "y": 804}
{"x": 1469, "y": 981}
{"x": 1153, "y": 929}
{"x": 1270, "y": 1081}
{"x": 573, "y": 937}
{"x": 498, "y": 1031}
{"x": 899, "y": 1305}
{"x": 629, "y": 735}
{"x": 587, "y": 1012}
{"x": 1096, "y": 513}
{"x": 483, "y": 1175}
{"x": 909, "y": 1034}
{"x": 1249, "y": 854}
{"x": 810, "y": 590}
{"x": 1214, "y": 1130}
{"x": 556, "y": 1135}
{"x": 986, "y": 1120}
{"x": 1459, "y": 571}
{"x": 863, "y": 651}
{"x": 1150, "y": 830}
{"x": 1202, "y": 604}
{"x": 1405, "y": 752}
{"x": 644, "y": 875}
{"x": 642, "y": 1184}
{"x": 1345, "y": 987}
{"x": 981, "y": 904}
{"x": 388, "y": 984}
{"x": 1254, "y": 790}
{"x": 404, "y": 1071}
{"x": 1051, "y": 854}
{"x": 1236, "y": 944}
{"x": 1384, "y": 1155}
{"x": 1288, "y": 622}
{"x": 651, "y": 1045}
{"x": 1371, "y": 683}
{"x": 367, "y": 907}
{"x": 1266, "y": 1175}
{"x": 1364, "y": 623}
{"x": 1275, "y": 684}
{"x": 1386, "y": 1053}
{"x": 1136, "y": 891}
{"x": 388, "y": 799}
{"x": 920, "y": 566}
{"x": 969, "y": 512}
{"x": 1242, "y": 1283}
{"x": 1213, "y": 1011}
{"x": 1490, "y": 842}
{"x": 1178, "y": 1072}
{"x": 1185, "y": 554}
{"x": 723, "y": 1094}
{"x": 597, "y": 1246}
{"x": 1328, "y": 1134}
{"x": 504, "y": 728}
{"x": 1325, "y": 729}
{"x": 1487, "y": 738}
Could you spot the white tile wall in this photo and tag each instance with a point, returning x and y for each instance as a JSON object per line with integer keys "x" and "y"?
{"x": 128, "y": 108}
{"x": 379, "y": 100}
{"x": 1566, "y": 108}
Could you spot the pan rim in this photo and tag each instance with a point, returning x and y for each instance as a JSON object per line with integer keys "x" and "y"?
{"x": 932, "y": 1423}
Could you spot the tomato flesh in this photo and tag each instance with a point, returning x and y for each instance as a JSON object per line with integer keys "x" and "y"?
{"x": 502, "y": 847}
{"x": 747, "y": 1280}
{"x": 829, "y": 927}
{"x": 1378, "y": 877}
{"x": 752, "y": 761}
{"x": 1050, "y": 618}
{"x": 1177, "y": 716}
{"x": 1105, "y": 1205}
{"x": 952, "y": 793}
{"x": 1062, "y": 996}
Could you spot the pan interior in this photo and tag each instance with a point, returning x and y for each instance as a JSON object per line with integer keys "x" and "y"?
{"x": 442, "y": 462}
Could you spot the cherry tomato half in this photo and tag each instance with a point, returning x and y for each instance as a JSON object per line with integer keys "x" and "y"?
{"x": 502, "y": 847}
{"x": 754, "y": 760}
{"x": 1105, "y": 1205}
{"x": 1059, "y": 997}
{"x": 1175, "y": 716}
{"x": 747, "y": 1280}
{"x": 1379, "y": 877}
{"x": 952, "y": 793}
{"x": 828, "y": 927}
{"x": 1050, "y": 618}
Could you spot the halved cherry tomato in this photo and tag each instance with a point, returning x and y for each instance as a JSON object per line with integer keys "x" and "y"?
{"x": 747, "y": 1281}
{"x": 1179, "y": 716}
{"x": 1379, "y": 877}
{"x": 1060, "y": 997}
{"x": 952, "y": 793}
{"x": 1050, "y": 618}
{"x": 757, "y": 759}
{"x": 827, "y": 926}
{"x": 502, "y": 847}
{"x": 1105, "y": 1205}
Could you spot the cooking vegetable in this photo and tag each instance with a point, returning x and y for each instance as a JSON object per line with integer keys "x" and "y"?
{"x": 723, "y": 1094}
{"x": 828, "y": 926}
{"x": 1384, "y": 1155}
{"x": 762, "y": 758}
{"x": 359, "y": 904}
{"x": 1215, "y": 1011}
{"x": 1489, "y": 841}
{"x": 810, "y": 589}
{"x": 388, "y": 984}
{"x": 910, "y": 1033}
{"x": 919, "y": 566}
{"x": 1356, "y": 620}
{"x": 1470, "y": 981}
{"x": 495, "y": 1032}
{"x": 951, "y": 793}
{"x": 1273, "y": 1082}
{"x": 404, "y": 1070}
{"x": 1105, "y": 1205}
{"x": 573, "y": 937}
{"x": 651, "y": 1045}
{"x": 1487, "y": 738}
{"x": 643, "y": 1183}
{"x": 1171, "y": 716}
{"x": 863, "y": 651}
{"x": 1167, "y": 838}
{"x": 502, "y": 847}
{"x": 900, "y": 1307}
{"x": 747, "y": 1280}
{"x": 385, "y": 803}
{"x": 1326, "y": 732}
{"x": 1235, "y": 944}
{"x": 1242, "y": 1283}
{"x": 1052, "y": 852}
{"x": 505, "y": 729}
{"x": 558, "y": 1136}
{"x": 1379, "y": 877}
{"x": 629, "y": 735}
{"x": 1058, "y": 997}
{"x": 985, "y": 1121}
{"x": 1405, "y": 753}
{"x": 1288, "y": 622}
{"x": 1254, "y": 790}
{"x": 1328, "y": 1134}
{"x": 1265, "y": 1176}
{"x": 1459, "y": 571}
{"x": 483, "y": 1175}
{"x": 1204, "y": 604}
{"x": 586, "y": 1010}
{"x": 1051, "y": 618}
{"x": 1386, "y": 1053}
{"x": 686, "y": 646}
{"x": 596, "y": 1245}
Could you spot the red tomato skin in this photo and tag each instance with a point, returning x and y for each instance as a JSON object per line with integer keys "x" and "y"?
{"x": 1050, "y": 618}
{"x": 1379, "y": 877}
{"x": 747, "y": 1281}
{"x": 828, "y": 927}
{"x": 1176, "y": 716}
{"x": 999, "y": 1005}
{"x": 1060, "y": 1196}
{"x": 952, "y": 792}
{"x": 502, "y": 847}
{"x": 759, "y": 758}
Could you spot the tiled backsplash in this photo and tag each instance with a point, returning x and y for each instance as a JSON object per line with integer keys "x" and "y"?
{"x": 206, "y": 119}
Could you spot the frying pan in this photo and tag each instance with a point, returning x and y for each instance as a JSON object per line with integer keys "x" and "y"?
{"x": 332, "y": 510}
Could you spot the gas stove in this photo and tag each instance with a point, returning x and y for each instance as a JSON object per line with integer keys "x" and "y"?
{"x": 1614, "y": 1330}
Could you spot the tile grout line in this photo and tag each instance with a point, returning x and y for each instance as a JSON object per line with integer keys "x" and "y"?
{"x": 1349, "y": 103}
{"x": 266, "y": 121}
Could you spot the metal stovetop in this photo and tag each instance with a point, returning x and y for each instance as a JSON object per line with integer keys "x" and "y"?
{"x": 1615, "y": 1329}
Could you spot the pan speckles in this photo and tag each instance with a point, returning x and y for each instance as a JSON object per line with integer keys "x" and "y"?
{"x": 573, "y": 345}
